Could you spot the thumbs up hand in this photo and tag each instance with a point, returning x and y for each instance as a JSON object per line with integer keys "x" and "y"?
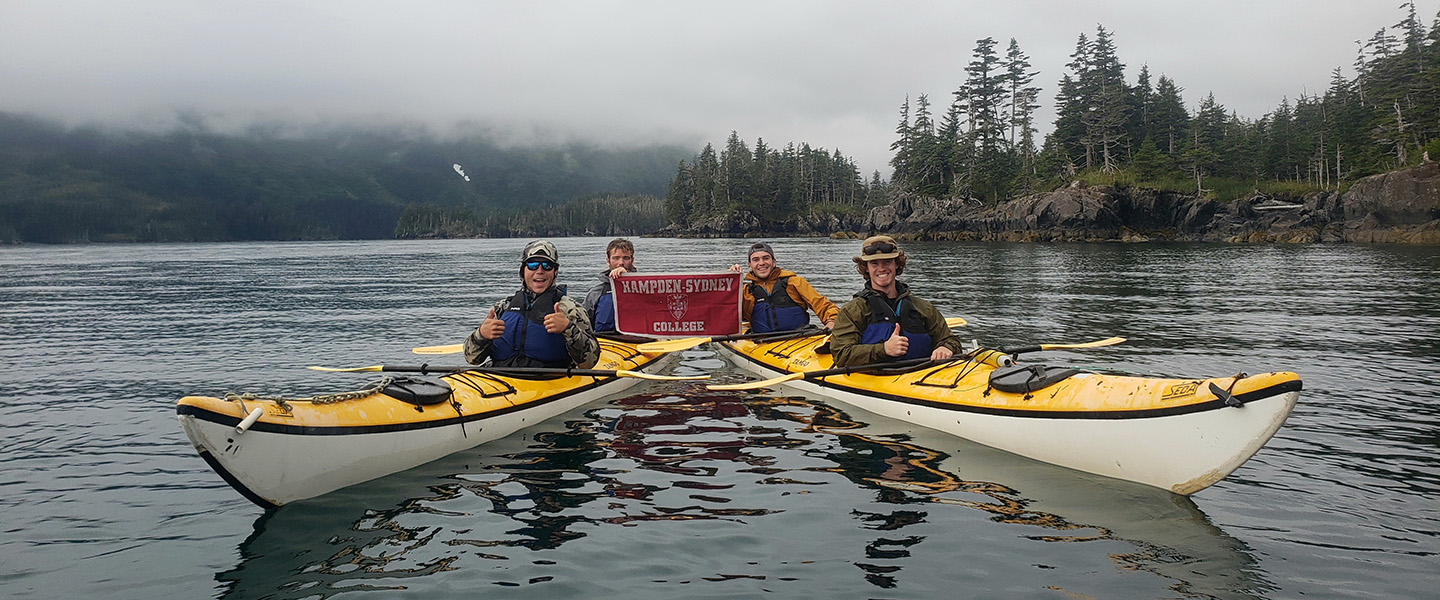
{"x": 492, "y": 327}
{"x": 556, "y": 322}
{"x": 897, "y": 344}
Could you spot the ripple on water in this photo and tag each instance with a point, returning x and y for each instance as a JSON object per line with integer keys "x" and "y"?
{"x": 675, "y": 491}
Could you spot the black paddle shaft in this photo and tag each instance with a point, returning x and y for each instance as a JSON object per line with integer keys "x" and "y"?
{"x": 771, "y": 336}
{"x": 427, "y": 369}
{"x": 899, "y": 364}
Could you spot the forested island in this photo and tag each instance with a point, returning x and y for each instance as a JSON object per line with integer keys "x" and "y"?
{"x": 1152, "y": 168}
{"x": 1126, "y": 159}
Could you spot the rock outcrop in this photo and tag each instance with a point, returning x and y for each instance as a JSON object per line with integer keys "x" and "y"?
{"x": 1397, "y": 207}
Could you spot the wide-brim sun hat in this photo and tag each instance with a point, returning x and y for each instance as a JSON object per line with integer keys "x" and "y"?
{"x": 879, "y": 247}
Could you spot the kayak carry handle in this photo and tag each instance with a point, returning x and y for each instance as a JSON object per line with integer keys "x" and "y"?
{"x": 249, "y": 420}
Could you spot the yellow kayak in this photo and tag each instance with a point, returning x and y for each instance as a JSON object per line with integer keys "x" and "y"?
{"x": 1182, "y": 435}
{"x": 276, "y": 450}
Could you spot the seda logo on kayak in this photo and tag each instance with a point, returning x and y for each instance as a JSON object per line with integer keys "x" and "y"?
{"x": 1180, "y": 390}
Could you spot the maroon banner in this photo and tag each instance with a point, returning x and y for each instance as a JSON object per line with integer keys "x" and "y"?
{"x": 678, "y": 304}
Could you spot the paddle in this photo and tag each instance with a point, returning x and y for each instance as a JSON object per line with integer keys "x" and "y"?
{"x": 458, "y": 348}
{"x": 426, "y": 369}
{"x": 914, "y": 362}
{"x": 900, "y": 364}
{"x": 688, "y": 343}
{"x": 1042, "y": 347}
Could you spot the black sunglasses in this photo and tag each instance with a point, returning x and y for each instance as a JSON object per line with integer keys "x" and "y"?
{"x": 536, "y": 265}
{"x": 878, "y": 248}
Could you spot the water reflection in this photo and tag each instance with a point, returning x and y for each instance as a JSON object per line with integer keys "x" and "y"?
{"x": 665, "y": 462}
{"x": 1172, "y": 537}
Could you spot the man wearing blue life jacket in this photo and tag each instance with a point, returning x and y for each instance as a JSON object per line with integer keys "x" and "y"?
{"x": 600, "y": 302}
{"x": 539, "y": 326}
{"x": 884, "y": 322}
{"x": 775, "y": 299}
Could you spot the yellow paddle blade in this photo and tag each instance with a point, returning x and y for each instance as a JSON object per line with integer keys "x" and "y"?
{"x": 349, "y": 370}
{"x": 664, "y": 346}
{"x": 1095, "y": 344}
{"x": 755, "y": 385}
{"x": 644, "y": 375}
{"x": 955, "y": 322}
{"x": 450, "y": 349}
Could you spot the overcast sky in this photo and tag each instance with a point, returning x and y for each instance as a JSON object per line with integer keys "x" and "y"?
{"x": 832, "y": 73}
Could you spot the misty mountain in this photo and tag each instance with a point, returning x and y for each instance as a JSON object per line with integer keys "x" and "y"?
{"x": 76, "y": 185}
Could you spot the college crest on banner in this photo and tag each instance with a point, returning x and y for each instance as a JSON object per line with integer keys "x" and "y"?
{"x": 678, "y": 304}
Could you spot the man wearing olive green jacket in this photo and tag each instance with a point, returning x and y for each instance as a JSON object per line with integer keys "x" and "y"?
{"x": 885, "y": 322}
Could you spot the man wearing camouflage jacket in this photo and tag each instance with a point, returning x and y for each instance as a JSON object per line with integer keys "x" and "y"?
{"x": 539, "y": 326}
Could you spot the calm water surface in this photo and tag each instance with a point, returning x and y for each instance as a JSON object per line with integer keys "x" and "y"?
{"x": 668, "y": 490}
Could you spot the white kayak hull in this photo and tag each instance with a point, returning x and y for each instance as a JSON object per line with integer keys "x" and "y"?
{"x": 1182, "y": 453}
{"x": 275, "y": 467}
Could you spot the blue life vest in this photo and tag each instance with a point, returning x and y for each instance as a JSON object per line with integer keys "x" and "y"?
{"x": 604, "y": 316}
{"x": 883, "y": 319}
{"x": 776, "y": 311}
{"x": 525, "y": 342}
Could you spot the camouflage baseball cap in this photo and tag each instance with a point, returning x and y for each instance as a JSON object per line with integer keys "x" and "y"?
{"x": 540, "y": 249}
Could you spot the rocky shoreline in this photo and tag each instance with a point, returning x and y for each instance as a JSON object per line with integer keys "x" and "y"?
{"x": 1397, "y": 207}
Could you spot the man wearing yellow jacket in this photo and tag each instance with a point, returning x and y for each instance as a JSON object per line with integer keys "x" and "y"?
{"x": 775, "y": 299}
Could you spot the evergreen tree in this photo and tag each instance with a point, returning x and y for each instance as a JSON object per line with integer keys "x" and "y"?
{"x": 954, "y": 148}
{"x": 877, "y": 188}
{"x": 707, "y": 202}
{"x": 1070, "y": 108}
{"x": 1021, "y": 98}
{"x": 1203, "y": 155}
{"x": 984, "y": 94}
{"x": 679, "y": 201}
{"x": 768, "y": 171}
{"x": 736, "y": 176}
{"x": 1105, "y": 93}
{"x": 1283, "y": 145}
{"x": 1021, "y": 103}
{"x": 1343, "y": 116}
{"x": 929, "y": 162}
{"x": 903, "y": 162}
{"x": 1411, "y": 29}
{"x": 1138, "y": 102}
{"x": 1149, "y": 161}
{"x": 1170, "y": 121}
{"x": 786, "y": 188}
